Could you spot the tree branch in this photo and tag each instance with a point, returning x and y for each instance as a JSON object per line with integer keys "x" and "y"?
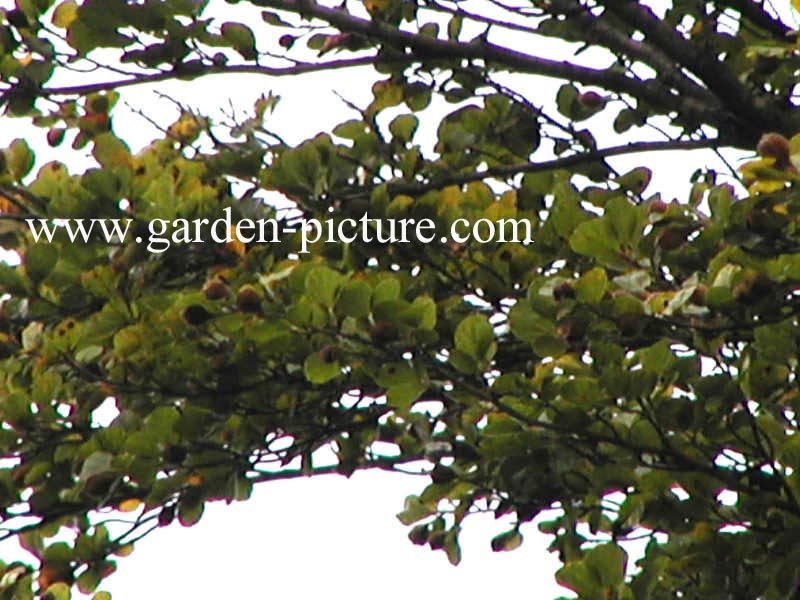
{"x": 549, "y": 165}
{"x": 755, "y": 112}
{"x": 597, "y": 30}
{"x": 203, "y": 70}
{"x": 756, "y": 13}
{"x": 383, "y": 463}
{"x": 650, "y": 91}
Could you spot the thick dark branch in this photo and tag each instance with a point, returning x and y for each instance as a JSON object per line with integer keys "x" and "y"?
{"x": 597, "y": 30}
{"x": 506, "y": 171}
{"x": 756, "y": 13}
{"x": 752, "y": 109}
{"x": 422, "y": 47}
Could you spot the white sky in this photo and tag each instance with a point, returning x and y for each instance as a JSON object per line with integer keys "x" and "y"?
{"x": 323, "y": 537}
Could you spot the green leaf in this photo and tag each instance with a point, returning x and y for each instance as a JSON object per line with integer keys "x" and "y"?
{"x": 65, "y": 13}
{"x": 454, "y": 26}
{"x": 474, "y": 337}
{"x": 320, "y": 369}
{"x": 625, "y": 220}
{"x": 423, "y": 309}
{"x": 241, "y": 38}
{"x": 190, "y": 509}
{"x": 19, "y": 158}
{"x": 452, "y": 548}
{"x": 540, "y": 183}
{"x": 658, "y": 358}
{"x": 591, "y": 286}
{"x": 577, "y": 577}
{"x": 596, "y": 239}
{"x": 403, "y": 128}
{"x": 354, "y": 299}
{"x": 404, "y": 383}
{"x": 58, "y": 591}
{"x": 635, "y": 282}
{"x": 110, "y": 151}
{"x": 403, "y": 394}
{"x": 635, "y": 180}
{"x": 414, "y": 511}
{"x": 607, "y": 563}
{"x": 628, "y": 118}
{"x": 273, "y": 18}
{"x": 96, "y": 463}
{"x": 88, "y": 581}
{"x": 567, "y": 213}
{"x": 417, "y": 96}
{"x": 598, "y": 575}
{"x": 528, "y": 325}
{"x": 388, "y": 288}
{"x": 323, "y": 285}
{"x": 566, "y": 99}
{"x": 40, "y": 261}
{"x": 386, "y": 93}
{"x": 505, "y": 542}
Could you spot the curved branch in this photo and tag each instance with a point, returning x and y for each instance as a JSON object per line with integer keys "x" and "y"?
{"x": 504, "y": 171}
{"x": 382, "y": 463}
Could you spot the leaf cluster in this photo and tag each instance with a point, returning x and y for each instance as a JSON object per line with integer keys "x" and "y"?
{"x": 630, "y": 372}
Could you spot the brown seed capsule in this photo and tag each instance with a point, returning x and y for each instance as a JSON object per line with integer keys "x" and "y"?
{"x": 214, "y": 289}
{"x": 586, "y": 139}
{"x": 774, "y": 145}
{"x": 563, "y": 291}
{"x": 196, "y": 315}
{"x": 384, "y": 331}
{"x": 436, "y": 540}
{"x": 175, "y": 454}
{"x": 753, "y": 288}
{"x": 166, "y": 516}
{"x": 8, "y": 345}
{"x": 671, "y": 238}
{"x": 248, "y": 299}
{"x": 658, "y": 206}
{"x": 419, "y": 535}
{"x": 55, "y": 136}
{"x": 442, "y": 474}
{"x": 592, "y": 100}
{"x": 572, "y": 331}
{"x": 699, "y": 295}
{"x": 329, "y": 354}
{"x": 287, "y": 41}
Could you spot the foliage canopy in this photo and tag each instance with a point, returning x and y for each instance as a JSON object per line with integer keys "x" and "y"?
{"x": 633, "y": 368}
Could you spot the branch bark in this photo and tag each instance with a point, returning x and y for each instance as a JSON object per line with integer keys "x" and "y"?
{"x": 145, "y": 78}
{"x": 755, "y": 12}
{"x": 755, "y": 111}
{"x": 505, "y": 171}
{"x": 422, "y": 47}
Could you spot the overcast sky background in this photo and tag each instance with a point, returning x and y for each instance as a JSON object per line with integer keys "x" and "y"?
{"x": 327, "y": 536}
